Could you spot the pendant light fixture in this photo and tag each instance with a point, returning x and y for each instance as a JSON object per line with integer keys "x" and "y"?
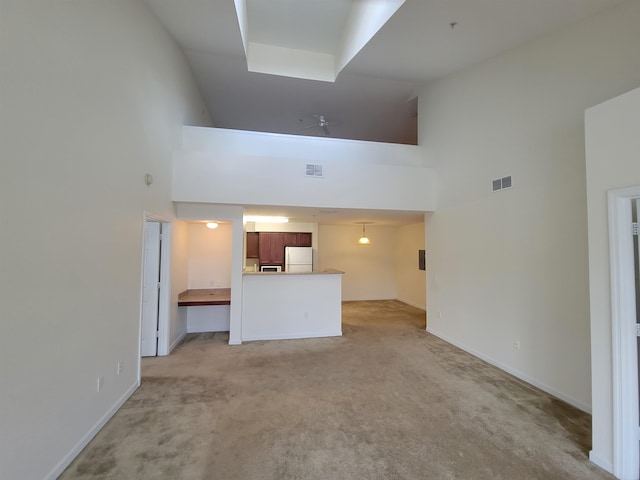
{"x": 364, "y": 240}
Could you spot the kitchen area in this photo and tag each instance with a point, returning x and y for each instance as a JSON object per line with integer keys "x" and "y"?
{"x": 282, "y": 295}
{"x": 225, "y": 263}
{"x": 222, "y": 174}
{"x": 279, "y": 252}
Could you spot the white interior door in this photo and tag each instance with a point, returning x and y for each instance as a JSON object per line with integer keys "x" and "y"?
{"x": 150, "y": 289}
{"x": 624, "y": 345}
{"x": 636, "y": 253}
{"x": 635, "y": 210}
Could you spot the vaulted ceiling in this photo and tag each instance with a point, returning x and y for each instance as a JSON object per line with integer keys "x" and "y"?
{"x": 374, "y": 95}
{"x": 280, "y": 65}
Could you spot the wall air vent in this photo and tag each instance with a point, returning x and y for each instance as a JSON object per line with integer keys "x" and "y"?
{"x": 313, "y": 170}
{"x": 501, "y": 183}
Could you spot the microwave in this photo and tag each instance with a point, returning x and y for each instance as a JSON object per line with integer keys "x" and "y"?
{"x": 271, "y": 268}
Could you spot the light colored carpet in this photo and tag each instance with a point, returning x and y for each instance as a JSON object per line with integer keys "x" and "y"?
{"x": 384, "y": 401}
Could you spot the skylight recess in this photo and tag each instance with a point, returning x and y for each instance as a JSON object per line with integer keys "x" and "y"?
{"x": 311, "y": 40}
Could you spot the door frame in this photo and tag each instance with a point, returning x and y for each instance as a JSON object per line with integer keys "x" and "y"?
{"x": 164, "y": 295}
{"x": 626, "y": 432}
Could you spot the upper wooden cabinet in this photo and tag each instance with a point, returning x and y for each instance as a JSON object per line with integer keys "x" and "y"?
{"x": 290, "y": 239}
{"x": 269, "y": 246}
{"x": 297, "y": 239}
{"x": 304, "y": 239}
{"x": 253, "y": 250}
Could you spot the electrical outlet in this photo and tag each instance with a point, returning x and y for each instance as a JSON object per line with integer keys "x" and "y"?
{"x": 119, "y": 367}
{"x": 439, "y": 314}
{"x": 516, "y": 343}
{"x": 100, "y": 384}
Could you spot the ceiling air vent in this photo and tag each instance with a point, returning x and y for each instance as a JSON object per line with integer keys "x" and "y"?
{"x": 501, "y": 183}
{"x": 313, "y": 170}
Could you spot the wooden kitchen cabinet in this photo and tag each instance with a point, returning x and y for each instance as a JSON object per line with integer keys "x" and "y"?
{"x": 297, "y": 239}
{"x": 253, "y": 246}
{"x": 271, "y": 248}
{"x": 304, "y": 239}
{"x": 264, "y": 248}
{"x": 290, "y": 239}
{"x": 277, "y": 248}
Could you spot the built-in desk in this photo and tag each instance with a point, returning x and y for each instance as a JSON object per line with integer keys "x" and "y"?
{"x": 206, "y": 310}
{"x": 207, "y": 296}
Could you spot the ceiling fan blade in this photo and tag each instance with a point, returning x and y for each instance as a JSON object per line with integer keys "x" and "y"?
{"x": 322, "y": 123}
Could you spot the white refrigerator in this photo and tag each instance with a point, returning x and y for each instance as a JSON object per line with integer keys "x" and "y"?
{"x": 298, "y": 259}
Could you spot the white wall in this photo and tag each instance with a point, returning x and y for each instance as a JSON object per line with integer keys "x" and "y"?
{"x": 290, "y": 305}
{"x": 386, "y": 269}
{"x": 252, "y": 168}
{"x": 179, "y": 280}
{"x": 239, "y": 143}
{"x": 370, "y": 270}
{"x": 93, "y": 97}
{"x": 208, "y": 318}
{"x": 612, "y": 146}
{"x": 411, "y": 285}
{"x": 282, "y": 227}
{"x": 210, "y": 256}
{"x": 513, "y": 265}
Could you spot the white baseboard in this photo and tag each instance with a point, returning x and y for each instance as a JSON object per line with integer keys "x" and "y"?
{"x": 178, "y": 340}
{"x": 536, "y": 383}
{"x": 84, "y": 441}
{"x": 366, "y": 299}
{"x": 600, "y": 462}
{"x": 293, "y": 336}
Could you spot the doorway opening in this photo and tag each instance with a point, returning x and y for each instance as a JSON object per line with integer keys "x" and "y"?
{"x": 207, "y": 303}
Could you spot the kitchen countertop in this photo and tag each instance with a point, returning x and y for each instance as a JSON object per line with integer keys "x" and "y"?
{"x": 204, "y": 296}
{"x": 328, "y": 271}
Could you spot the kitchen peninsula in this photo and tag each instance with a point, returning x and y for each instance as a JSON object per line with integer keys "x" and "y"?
{"x": 291, "y": 305}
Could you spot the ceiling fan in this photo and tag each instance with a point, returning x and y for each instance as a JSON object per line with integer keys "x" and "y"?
{"x": 323, "y": 124}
